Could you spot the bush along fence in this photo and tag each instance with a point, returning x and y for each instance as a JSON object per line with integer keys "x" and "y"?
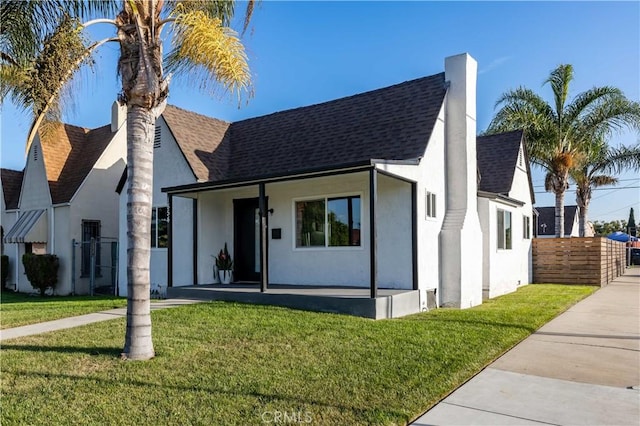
{"x": 588, "y": 260}
{"x": 41, "y": 270}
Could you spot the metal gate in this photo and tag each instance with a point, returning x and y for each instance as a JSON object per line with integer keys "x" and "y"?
{"x": 95, "y": 266}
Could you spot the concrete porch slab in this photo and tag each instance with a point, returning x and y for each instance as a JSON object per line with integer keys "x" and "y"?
{"x": 390, "y": 303}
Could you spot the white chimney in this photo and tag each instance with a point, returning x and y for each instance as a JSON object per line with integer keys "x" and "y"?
{"x": 118, "y": 116}
{"x": 461, "y": 236}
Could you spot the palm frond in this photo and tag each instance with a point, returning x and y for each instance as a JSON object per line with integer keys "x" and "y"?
{"x": 559, "y": 80}
{"x": 603, "y": 180}
{"x": 25, "y": 24}
{"x": 202, "y": 45}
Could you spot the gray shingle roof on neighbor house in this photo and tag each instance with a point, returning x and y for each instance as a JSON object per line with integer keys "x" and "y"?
{"x": 547, "y": 216}
{"x": 392, "y": 123}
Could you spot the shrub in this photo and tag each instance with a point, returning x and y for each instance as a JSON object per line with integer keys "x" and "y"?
{"x": 4, "y": 266}
{"x": 41, "y": 270}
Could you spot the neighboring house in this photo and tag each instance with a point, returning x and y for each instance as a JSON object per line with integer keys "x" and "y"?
{"x": 10, "y": 184}
{"x": 66, "y": 195}
{"x": 376, "y": 190}
{"x": 505, "y": 206}
{"x": 547, "y": 222}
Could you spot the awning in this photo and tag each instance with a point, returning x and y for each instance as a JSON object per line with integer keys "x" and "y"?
{"x": 31, "y": 227}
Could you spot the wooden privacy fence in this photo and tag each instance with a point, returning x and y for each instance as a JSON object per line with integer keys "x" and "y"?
{"x": 588, "y": 260}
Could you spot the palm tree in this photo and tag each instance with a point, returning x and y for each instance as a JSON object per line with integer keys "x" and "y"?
{"x": 202, "y": 42}
{"x": 556, "y": 134}
{"x": 40, "y": 52}
{"x": 598, "y": 167}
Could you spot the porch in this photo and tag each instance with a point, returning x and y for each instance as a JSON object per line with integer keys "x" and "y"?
{"x": 356, "y": 301}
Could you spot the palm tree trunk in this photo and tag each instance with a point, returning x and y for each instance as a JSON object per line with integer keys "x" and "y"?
{"x": 559, "y": 214}
{"x": 140, "y": 132}
{"x": 583, "y": 198}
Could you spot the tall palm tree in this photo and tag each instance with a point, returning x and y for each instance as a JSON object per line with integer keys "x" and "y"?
{"x": 556, "y": 134}
{"x": 202, "y": 42}
{"x": 598, "y": 167}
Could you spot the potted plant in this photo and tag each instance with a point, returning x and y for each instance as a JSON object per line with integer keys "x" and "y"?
{"x": 224, "y": 265}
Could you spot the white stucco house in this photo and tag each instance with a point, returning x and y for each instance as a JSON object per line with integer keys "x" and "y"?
{"x": 377, "y": 190}
{"x": 65, "y": 194}
{"x": 505, "y": 206}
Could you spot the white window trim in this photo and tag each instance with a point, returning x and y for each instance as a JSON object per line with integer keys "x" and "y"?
{"x": 498, "y": 248}
{"x": 327, "y": 247}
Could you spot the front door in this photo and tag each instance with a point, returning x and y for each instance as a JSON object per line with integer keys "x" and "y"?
{"x": 246, "y": 220}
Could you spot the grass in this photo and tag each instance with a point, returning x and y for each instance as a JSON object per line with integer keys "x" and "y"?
{"x": 18, "y": 309}
{"x": 226, "y": 363}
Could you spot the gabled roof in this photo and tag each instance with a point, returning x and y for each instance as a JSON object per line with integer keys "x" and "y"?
{"x": 547, "y": 216}
{"x": 69, "y": 153}
{"x": 392, "y": 123}
{"x": 497, "y": 160}
{"x": 11, "y": 186}
{"x": 200, "y": 138}
{"x": 498, "y": 157}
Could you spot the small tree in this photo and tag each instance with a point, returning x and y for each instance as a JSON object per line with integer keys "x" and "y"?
{"x": 41, "y": 270}
{"x": 631, "y": 224}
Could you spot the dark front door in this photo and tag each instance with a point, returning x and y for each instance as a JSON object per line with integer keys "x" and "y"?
{"x": 246, "y": 220}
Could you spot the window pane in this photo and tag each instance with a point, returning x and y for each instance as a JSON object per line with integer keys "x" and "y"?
{"x": 433, "y": 205}
{"x": 500, "y": 229}
{"x": 355, "y": 221}
{"x": 163, "y": 237}
{"x": 344, "y": 221}
{"x": 154, "y": 235}
{"x": 310, "y": 223}
{"x": 507, "y": 229}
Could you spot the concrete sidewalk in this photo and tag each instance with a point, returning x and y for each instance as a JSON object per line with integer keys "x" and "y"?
{"x": 581, "y": 368}
{"x": 63, "y": 323}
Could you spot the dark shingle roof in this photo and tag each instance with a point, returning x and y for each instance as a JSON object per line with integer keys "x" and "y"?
{"x": 11, "y": 186}
{"x": 547, "y": 216}
{"x": 393, "y": 123}
{"x": 497, "y": 160}
{"x": 70, "y": 152}
{"x": 202, "y": 141}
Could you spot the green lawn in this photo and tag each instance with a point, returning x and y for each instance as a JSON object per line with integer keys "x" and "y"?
{"x": 21, "y": 309}
{"x": 224, "y": 363}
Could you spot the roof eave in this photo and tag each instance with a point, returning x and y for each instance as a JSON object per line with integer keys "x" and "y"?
{"x": 501, "y": 198}
{"x": 275, "y": 177}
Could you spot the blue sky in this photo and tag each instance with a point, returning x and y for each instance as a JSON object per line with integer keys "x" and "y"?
{"x": 302, "y": 53}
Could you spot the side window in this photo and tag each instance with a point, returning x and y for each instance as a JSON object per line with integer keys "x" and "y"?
{"x": 504, "y": 229}
{"x": 526, "y": 227}
{"x": 159, "y": 227}
{"x": 430, "y": 204}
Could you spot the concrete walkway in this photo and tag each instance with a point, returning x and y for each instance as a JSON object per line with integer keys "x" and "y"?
{"x": 581, "y": 368}
{"x": 45, "y": 327}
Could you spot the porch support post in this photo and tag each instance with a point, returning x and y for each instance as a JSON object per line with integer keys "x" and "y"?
{"x": 194, "y": 209}
{"x": 264, "y": 247}
{"x": 373, "y": 237}
{"x": 414, "y": 233}
{"x": 170, "y": 242}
